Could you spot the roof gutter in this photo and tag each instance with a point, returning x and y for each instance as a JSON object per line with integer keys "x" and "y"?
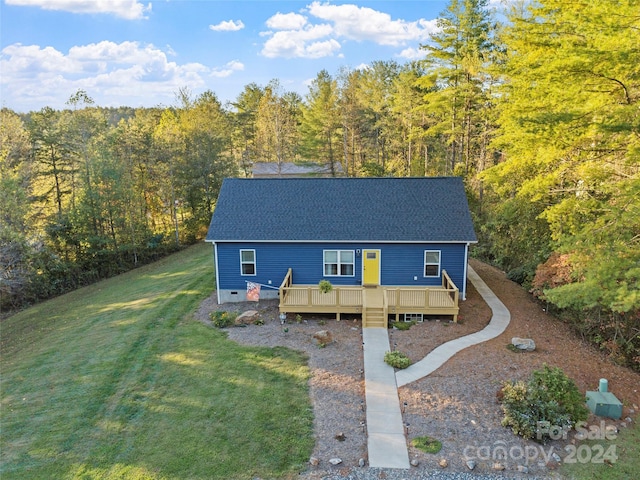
{"x": 369, "y": 241}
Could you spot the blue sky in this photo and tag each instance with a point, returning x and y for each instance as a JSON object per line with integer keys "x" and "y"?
{"x": 139, "y": 53}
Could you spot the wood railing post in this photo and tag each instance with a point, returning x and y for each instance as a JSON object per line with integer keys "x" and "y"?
{"x": 286, "y": 282}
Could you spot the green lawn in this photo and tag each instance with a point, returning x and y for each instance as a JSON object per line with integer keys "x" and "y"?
{"x": 117, "y": 380}
{"x": 589, "y": 465}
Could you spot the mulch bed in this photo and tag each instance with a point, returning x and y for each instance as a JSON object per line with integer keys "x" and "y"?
{"x": 457, "y": 403}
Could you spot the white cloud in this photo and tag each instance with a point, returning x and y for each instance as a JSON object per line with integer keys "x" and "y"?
{"x": 227, "y": 26}
{"x": 411, "y": 53}
{"x": 295, "y": 35}
{"x": 286, "y": 21}
{"x": 301, "y": 43}
{"x": 322, "y": 49}
{"x": 228, "y": 69}
{"x": 128, "y": 9}
{"x": 363, "y": 23}
{"x": 127, "y": 73}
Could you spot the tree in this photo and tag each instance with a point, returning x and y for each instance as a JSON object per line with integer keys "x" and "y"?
{"x": 15, "y": 173}
{"x": 243, "y": 120}
{"x": 374, "y": 96}
{"x": 277, "y": 125}
{"x": 351, "y": 121}
{"x": 457, "y": 61}
{"x": 85, "y": 125}
{"x": 409, "y": 120}
{"x": 15, "y": 191}
{"x": 207, "y": 161}
{"x": 569, "y": 133}
{"x": 321, "y": 121}
{"x": 49, "y": 135}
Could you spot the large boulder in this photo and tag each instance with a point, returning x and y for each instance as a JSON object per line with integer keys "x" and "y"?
{"x": 323, "y": 337}
{"x": 247, "y": 318}
{"x": 525, "y": 344}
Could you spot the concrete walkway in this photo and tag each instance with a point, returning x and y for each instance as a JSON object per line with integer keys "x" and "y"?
{"x": 434, "y": 360}
{"x": 387, "y": 443}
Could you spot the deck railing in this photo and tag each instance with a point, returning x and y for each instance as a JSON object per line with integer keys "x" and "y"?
{"x": 349, "y": 299}
{"x": 424, "y": 297}
{"x": 310, "y": 296}
{"x": 450, "y": 287}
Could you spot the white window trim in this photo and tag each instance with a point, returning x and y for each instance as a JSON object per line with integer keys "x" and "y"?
{"x": 255, "y": 269}
{"x": 424, "y": 267}
{"x": 353, "y": 264}
{"x": 419, "y": 317}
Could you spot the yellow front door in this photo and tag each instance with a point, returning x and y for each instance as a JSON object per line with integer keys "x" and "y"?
{"x": 371, "y": 267}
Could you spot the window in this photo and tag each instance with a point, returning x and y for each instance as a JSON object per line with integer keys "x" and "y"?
{"x": 339, "y": 263}
{"x": 413, "y": 317}
{"x": 432, "y": 263}
{"x": 248, "y": 262}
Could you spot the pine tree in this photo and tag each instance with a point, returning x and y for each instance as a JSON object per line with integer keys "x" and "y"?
{"x": 457, "y": 80}
{"x": 320, "y": 126}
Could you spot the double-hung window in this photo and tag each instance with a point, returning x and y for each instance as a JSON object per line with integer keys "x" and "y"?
{"x": 432, "y": 263}
{"x": 248, "y": 262}
{"x": 339, "y": 263}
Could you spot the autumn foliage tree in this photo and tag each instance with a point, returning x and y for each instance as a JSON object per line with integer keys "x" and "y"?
{"x": 569, "y": 124}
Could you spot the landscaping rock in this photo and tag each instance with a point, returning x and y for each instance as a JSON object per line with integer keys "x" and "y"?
{"x": 498, "y": 466}
{"x": 443, "y": 463}
{"x": 523, "y": 469}
{"x": 361, "y": 462}
{"x": 414, "y": 462}
{"x": 335, "y": 461}
{"x": 323, "y": 337}
{"x": 315, "y": 461}
{"x": 526, "y": 344}
{"x": 471, "y": 464}
{"x": 249, "y": 317}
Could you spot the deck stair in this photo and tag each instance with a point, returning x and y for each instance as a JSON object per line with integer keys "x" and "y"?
{"x": 374, "y": 312}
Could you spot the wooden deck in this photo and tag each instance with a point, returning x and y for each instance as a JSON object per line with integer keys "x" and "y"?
{"x": 374, "y": 303}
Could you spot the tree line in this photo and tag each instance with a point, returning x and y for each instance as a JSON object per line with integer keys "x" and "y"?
{"x": 538, "y": 112}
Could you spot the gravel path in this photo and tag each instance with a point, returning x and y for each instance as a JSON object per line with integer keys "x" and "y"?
{"x": 456, "y": 404}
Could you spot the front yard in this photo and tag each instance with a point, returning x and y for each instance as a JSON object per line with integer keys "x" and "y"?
{"x": 118, "y": 381}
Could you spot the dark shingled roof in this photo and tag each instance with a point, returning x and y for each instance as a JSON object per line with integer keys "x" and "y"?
{"x": 342, "y": 209}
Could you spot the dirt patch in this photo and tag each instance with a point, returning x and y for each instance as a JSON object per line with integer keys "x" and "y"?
{"x": 457, "y": 403}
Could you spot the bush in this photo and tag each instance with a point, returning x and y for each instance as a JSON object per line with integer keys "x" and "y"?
{"x": 397, "y": 359}
{"x": 549, "y": 396}
{"x": 325, "y": 286}
{"x": 222, "y": 319}
{"x": 403, "y": 325}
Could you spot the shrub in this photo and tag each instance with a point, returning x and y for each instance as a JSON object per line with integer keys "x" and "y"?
{"x": 549, "y": 396}
{"x": 222, "y": 319}
{"x": 403, "y": 325}
{"x": 427, "y": 444}
{"x": 397, "y": 359}
{"x": 325, "y": 286}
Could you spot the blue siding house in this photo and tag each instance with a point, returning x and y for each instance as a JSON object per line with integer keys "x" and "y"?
{"x": 353, "y": 232}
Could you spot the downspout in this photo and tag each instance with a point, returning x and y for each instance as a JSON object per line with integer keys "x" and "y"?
{"x": 215, "y": 266}
{"x": 466, "y": 263}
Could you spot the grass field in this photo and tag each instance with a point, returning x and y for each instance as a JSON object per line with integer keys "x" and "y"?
{"x": 117, "y": 380}
{"x": 608, "y": 459}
